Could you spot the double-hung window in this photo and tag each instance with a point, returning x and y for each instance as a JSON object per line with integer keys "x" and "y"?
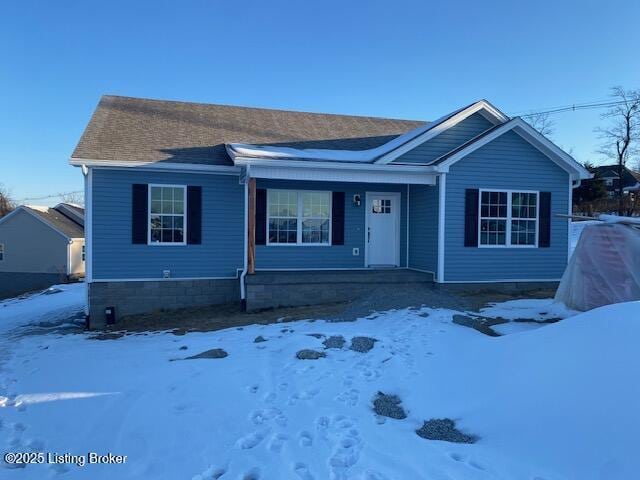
{"x": 298, "y": 217}
{"x": 508, "y": 219}
{"x": 167, "y": 220}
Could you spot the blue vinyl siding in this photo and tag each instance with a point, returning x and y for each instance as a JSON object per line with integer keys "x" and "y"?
{"x": 334, "y": 256}
{"x": 446, "y": 141}
{"x": 115, "y": 257}
{"x": 423, "y": 227}
{"x": 508, "y": 162}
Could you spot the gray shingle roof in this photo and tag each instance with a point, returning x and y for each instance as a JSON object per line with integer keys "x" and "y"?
{"x": 59, "y": 221}
{"x": 135, "y": 129}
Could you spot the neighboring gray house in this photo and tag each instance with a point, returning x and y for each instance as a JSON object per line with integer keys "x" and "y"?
{"x": 192, "y": 204}
{"x": 40, "y": 246}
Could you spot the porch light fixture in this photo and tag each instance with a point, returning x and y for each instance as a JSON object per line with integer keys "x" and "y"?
{"x": 356, "y": 200}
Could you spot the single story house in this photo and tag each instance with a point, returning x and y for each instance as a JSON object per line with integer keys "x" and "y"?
{"x": 40, "y": 246}
{"x": 193, "y": 204}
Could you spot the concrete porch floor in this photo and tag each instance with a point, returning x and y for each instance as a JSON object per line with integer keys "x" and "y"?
{"x": 272, "y": 289}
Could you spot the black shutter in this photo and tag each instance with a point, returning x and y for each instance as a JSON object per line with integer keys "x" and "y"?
{"x": 471, "y": 198}
{"x": 139, "y": 213}
{"x": 337, "y": 218}
{"x": 194, "y": 215}
{"x": 261, "y": 216}
{"x": 544, "y": 235}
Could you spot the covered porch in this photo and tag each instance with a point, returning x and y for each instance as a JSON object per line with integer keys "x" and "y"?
{"x": 322, "y": 235}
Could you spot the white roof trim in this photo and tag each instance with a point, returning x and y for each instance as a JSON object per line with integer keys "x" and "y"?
{"x": 337, "y": 166}
{"x": 530, "y": 134}
{"x": 397, "y": 176}
{"x": 485, "y": 108}
{"x": 24, "y": 208}
{"x": 159, "y": 165}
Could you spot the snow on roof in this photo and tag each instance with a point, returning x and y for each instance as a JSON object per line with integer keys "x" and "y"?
{"x": 39, "y": 208}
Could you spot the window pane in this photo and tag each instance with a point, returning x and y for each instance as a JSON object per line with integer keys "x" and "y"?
{"x": 156, "y": 235}
{"x": 167, "y": 214}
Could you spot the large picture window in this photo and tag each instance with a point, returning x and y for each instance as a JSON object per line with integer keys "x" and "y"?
{"x": 298, "y": 217}
{"x": 166, "y": 214}
{"x": 508, "y": 219}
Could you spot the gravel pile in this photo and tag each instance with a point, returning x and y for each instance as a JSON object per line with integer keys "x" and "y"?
{"x": 389, "y": 406}
{"x": 336, "y": 341}
{"x": 444, "y": 429}
{"x": 308, "y": 354}
{"x": 362, "y": 344}
{"x": 259, "y": 339}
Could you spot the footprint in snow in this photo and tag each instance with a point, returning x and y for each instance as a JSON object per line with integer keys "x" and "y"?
{"x": 253, "y": 474}
{"x": 277, "y": 442}
{"x": 302, "y": 471}
{"x": 251, "y": 440}
{"x": 306, "y": 439}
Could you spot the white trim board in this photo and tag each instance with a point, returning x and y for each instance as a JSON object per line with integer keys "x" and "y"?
{"x": 485, "y": 108}
{"x": 338, "y": 175}
{"x": 528, "y": 133}
{"x": 156, "y": 166}
{"x": 442, "y": 205}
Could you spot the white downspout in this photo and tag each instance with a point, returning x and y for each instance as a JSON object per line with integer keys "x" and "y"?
{"x": 243, "y": 293}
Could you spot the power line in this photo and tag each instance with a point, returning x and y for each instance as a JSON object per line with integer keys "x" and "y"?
{"x": 573, "y": 107}
{"x": 46, "y": 197}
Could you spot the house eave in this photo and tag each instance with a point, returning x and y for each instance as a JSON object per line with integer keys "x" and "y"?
{"x": 154, "y": 165}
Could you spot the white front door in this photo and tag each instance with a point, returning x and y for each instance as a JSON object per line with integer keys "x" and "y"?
{"x": 383, "y": 229}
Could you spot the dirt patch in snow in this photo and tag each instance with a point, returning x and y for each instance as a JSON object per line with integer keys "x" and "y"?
{"x": 308, "y": 354}
{"x": 259, "y": 339}
{"x": 389, "y": 406}
{"x": 362, "y": 344}
{"x": 479, "y": 323}
{"x": 444, "y": 429}
{"x": 213, "y": 353}
{"x": 335, "y": 341}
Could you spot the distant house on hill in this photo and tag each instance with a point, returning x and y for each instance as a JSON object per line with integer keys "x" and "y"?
{"x": 40, "y": 246}
{"x": 608, "y": 175}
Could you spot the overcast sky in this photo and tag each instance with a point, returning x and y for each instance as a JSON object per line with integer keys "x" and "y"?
{"x": 401, "y": 59}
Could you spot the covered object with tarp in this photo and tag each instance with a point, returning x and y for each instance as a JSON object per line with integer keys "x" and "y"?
{"x": 605, "y": 266}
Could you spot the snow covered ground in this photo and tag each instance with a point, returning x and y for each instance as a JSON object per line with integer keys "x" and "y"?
{"x": 557, "y": 402}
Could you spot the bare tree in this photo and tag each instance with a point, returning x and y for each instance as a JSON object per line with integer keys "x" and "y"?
{"x": 77, "y": 198}
{"x": 620, "y": 139}
{"x": 6, "y": 203}
{"x": 542, "y": 122}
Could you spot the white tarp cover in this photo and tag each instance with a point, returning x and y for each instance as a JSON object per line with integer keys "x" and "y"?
{"x": 604, "y": 268}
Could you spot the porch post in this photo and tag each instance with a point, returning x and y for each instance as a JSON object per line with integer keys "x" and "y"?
{"x": 251, "y": 228}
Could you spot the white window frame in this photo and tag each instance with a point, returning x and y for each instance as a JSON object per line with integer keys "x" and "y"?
{"x": 608, "y": 182}
{"x": 508, "y": 218}
{"x": 149, "y": 214}
{"x": 299, "y": 218}
{"x": 2, "y": 252}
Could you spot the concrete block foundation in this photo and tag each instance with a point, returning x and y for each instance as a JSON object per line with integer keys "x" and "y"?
{"x": 136, "y": 297}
